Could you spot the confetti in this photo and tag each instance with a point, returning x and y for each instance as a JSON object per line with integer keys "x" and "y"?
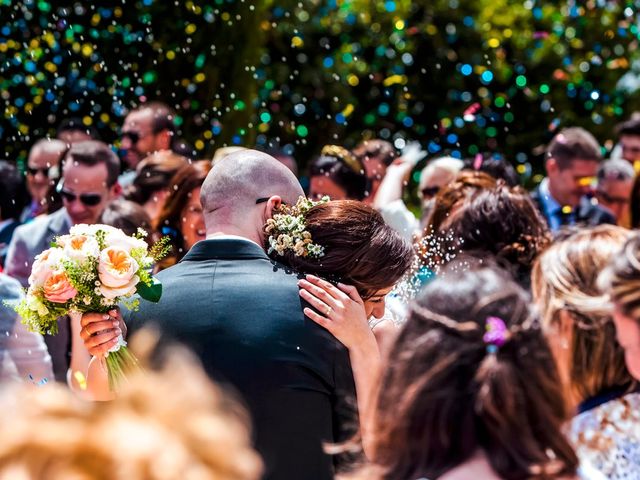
{"x": 313, "y": 73}
{"x": 80, "y": 379}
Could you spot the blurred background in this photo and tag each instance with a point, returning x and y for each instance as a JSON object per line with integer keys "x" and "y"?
{"x": 460, "y": 76}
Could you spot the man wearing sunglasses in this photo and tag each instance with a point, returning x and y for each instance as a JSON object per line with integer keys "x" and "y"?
{"x": 388, "y": 201}
{"x": 563, "y": 197}
{"x": 89, "y": 182}
{"x": 42, "y": 171}
{"x": 615, "y": 184}
{"x": 146, "y": 130}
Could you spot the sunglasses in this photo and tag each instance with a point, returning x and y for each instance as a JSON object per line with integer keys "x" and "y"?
{"x": 34, "y": 171}
{"x": 429, "y": 192}
{"x": 133, "y": 137}
{"x": 88, "y": 199}
{"x": 609, "y": 199}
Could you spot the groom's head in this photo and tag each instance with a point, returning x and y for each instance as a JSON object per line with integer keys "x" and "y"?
{"x": 242, "y": 190}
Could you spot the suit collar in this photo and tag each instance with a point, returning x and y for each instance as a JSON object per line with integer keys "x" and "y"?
{"x": 59, "y": 221}
{"x": 585, "y": 207}
{"x": 225, "y": 248}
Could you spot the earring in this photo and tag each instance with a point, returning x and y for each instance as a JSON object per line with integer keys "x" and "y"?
{"x": 564, "y": 344}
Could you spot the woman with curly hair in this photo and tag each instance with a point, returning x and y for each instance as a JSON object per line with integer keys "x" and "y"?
{"x": 480, "y": 216}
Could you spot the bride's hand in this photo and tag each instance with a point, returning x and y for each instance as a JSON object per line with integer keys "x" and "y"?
{"x": 341, "y": 309}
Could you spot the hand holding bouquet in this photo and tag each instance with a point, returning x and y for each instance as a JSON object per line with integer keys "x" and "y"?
{"x": 92, "y": 269}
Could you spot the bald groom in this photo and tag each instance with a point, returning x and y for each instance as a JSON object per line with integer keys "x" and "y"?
{"x": 241, "y": 313}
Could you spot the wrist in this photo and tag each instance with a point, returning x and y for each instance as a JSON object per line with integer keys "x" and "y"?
{"x": 365, "y": 349}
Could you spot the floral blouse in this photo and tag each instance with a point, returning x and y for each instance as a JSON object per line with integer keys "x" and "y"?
{"x": 607, "y": 437}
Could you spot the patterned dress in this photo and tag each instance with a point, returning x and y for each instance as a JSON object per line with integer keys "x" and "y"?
{"x": 607, "y": 437}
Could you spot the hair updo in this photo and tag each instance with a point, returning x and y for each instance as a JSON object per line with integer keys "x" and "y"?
{"x": 360, "y": 249}
{"x": 343, "y": 168}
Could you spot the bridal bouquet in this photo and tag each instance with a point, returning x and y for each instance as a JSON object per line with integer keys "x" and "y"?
{"x": 92, "y": 269}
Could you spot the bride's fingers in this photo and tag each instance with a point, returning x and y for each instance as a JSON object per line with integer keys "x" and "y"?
{"x": 316, "y": 302}
{"x": 319, "y": 319}
{"x": 318, "y": 292}
{"x": 351, "y": 291}
{"x": 327, "y": 286}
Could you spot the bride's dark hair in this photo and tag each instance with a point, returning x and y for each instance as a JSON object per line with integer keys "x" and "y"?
{"x": 360, "y": 249}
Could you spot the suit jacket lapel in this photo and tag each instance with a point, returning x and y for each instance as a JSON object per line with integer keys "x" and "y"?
{"x": 59, "y": 224}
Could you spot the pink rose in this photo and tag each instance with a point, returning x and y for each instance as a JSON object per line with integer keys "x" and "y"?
{"x": 44, "y": 266}
{"x": 58, "y": 289}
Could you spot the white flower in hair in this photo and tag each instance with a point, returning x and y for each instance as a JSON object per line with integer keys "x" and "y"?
{"x": 287, "y": 230}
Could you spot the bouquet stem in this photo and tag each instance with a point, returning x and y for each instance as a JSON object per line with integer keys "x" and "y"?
{"x": 120, "y": 363}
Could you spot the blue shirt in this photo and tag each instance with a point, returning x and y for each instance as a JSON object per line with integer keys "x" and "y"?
{"x": 553, "y": 210}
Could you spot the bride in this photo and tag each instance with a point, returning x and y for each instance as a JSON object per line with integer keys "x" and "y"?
{"x": 352, "y": 259}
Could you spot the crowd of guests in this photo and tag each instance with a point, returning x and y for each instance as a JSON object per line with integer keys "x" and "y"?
{"x": 478, "y": 330}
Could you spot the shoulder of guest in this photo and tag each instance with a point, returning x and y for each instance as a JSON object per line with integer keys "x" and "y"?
{"x": 10, "y": 288}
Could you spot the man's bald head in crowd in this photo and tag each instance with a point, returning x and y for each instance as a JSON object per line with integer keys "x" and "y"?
{"x": 236, "y": 182}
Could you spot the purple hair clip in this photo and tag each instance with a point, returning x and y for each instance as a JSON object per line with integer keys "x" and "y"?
{"x": 478, "y": 161}
{"x": 496, "y": 335}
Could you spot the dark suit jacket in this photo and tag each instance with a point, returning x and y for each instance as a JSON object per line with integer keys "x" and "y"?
{"x": 28, "y": 241}
{"x": 241, "y": 313}
{"x": 587, "y": 213}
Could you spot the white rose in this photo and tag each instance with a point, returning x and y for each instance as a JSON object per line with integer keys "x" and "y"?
{"x": 84, "y": 229}
{"x": 80, "y": 247}
{"x": 125, "y": 242}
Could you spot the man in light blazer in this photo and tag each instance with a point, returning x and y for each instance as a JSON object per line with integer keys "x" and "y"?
{"x": 88, "y": 184}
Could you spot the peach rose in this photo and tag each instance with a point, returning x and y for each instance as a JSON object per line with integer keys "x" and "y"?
{"x": 117, "y": 272}
{"x": 58, "y": 289}
{"x": 44, "y": 265}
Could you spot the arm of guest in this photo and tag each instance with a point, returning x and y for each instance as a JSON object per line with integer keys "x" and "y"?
{"x": 18, "y": 260}
{"x": 29, "y": 354}
{"x": 346, "y": 320}
{"x": 393, "y": 183}
{"x": 99, "y": 332}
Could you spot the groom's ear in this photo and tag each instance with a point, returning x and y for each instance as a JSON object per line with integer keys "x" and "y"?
{"x": 273, "y": 203}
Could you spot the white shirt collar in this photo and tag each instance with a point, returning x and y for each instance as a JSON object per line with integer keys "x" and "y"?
{"x": 232, "y": 237}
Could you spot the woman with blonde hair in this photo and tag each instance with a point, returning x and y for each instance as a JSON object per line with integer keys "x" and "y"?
{"x": 164, "y": 425}
{"x": 622, "y": 281}
{"x": 582, "y": 336}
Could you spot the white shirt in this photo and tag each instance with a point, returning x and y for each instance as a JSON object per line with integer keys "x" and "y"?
{"x": 232, "y": 237}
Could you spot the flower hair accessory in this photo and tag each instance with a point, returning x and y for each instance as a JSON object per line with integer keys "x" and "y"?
{"x": 287, "y": 230}
{"x": 496, "y": 334}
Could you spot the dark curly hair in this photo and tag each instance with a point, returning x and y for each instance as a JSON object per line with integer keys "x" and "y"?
{"x": 498, "y": 220}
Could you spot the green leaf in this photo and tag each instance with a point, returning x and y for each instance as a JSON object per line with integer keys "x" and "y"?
{"x": 152, "y": 292}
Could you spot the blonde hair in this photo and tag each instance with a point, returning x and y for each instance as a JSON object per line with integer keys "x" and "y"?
{"x": 565, "y": 278}
{"x": 622, "y": 278}
{"x": 163, "y": 425}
